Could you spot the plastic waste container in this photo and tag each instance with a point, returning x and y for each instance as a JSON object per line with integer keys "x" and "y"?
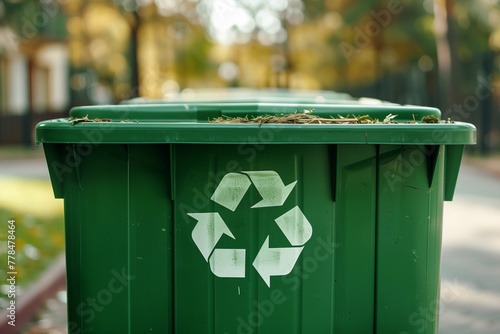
{"x": 175, "y": 224}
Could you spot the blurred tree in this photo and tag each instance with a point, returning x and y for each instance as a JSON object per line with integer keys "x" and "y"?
{"x": 29, "y": 19}
{"x": 447, "y": 51}
{"x": 376, "y": 40}
{"x": 478, "y": 26}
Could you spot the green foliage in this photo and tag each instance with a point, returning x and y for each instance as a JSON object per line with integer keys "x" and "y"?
{"x": 314, "y": 9}
{"x": 30, "y": 18}
{"x": 38, "y": 241}
{"x": 193, "y": 56}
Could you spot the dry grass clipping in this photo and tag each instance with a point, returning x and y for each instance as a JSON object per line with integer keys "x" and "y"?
{"x": 304, "y": 117}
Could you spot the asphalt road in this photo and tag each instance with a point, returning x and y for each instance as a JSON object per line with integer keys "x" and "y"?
{"x": 470, "y": 289}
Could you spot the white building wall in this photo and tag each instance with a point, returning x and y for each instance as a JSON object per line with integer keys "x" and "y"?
{"x": 54, "y": 58}
{"x": 17, "y": 85}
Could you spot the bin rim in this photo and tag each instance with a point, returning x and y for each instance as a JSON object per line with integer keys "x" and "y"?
{"x": 189, "y": 123}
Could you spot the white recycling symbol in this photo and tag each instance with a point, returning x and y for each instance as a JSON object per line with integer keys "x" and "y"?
{"x": 269, "y": 261}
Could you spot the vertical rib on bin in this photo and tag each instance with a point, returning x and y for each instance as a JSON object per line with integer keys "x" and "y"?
{"x": 355, "y": 238}
{"x": 408, "y": 239}
{"x": 97, "y": 239}
{"x": 150, "y": 239}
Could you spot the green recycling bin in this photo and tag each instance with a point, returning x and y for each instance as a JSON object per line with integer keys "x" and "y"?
{"x": 177, "y": 224}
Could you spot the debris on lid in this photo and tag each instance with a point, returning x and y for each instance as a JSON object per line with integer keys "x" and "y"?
{"x": 304, "y": 117}
{"x": 430, "y": 119}
{"x": 85, "y": 119}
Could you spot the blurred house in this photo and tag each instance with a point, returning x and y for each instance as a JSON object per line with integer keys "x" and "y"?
{"x": 33, "y": 75}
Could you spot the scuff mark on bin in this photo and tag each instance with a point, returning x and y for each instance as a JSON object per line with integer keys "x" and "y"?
{"x": 415, "y": 256}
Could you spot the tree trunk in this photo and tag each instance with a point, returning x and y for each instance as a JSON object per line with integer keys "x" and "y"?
{"x": 447, "y": 53}
{"x": 134, "y": 70}
{"x": 487, "y": 68}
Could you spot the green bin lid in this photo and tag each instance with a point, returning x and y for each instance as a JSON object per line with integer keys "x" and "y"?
{"x": 249, "y": 95}
{"x": 188, "y": 122}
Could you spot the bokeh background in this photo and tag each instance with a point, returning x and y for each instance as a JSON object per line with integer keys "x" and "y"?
{"x": 56, "y": 54}
{"x": 59, "y": 53}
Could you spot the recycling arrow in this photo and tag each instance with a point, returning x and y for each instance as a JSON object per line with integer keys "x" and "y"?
{"x": 269, "y": 261}
{"x": 295, "y": 226}
{"x": 275, "y": 261}
{"x": 228, "y": 262}
{"x": 231, "y": 190}
{"x": 270, "y": 187}
{"x": 207, "y": 232}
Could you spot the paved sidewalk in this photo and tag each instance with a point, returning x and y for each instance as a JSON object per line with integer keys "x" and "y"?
{"x": 490, "y": 164}
{"x": 25, "y": 168}
{"x": 470, "y": 276}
